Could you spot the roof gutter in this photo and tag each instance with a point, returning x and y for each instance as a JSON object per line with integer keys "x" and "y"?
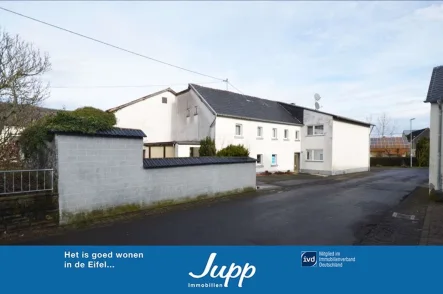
{"x": 262, "y": 120}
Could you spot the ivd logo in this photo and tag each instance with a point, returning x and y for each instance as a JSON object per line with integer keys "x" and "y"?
{"x": 309, "y": 258}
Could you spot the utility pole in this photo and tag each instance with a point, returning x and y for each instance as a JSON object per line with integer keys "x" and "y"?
{"x": 410, "y": 138}
{"x": 227, "y": 84}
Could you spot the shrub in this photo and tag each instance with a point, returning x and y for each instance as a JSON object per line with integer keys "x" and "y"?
{"x": 207, "y": 147}
{"x": 86, "y": 120}
{"x": 233, "y": 151}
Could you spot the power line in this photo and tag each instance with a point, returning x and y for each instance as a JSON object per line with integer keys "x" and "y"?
{"x": 234, "y": 86}
{"x": 127, "y": 86}
{"x": 110, "y": 45}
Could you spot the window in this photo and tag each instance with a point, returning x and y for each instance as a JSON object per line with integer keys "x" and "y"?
{"x": 259, "y": 132}
{"x": 195, "y": 113}
{"x": 259, "y": 159}
{"x": 164, "y": 100}
{"x": 315, "y": 130}
{"x": 274, "y": 133}
{"x": 274, "y": 159}
{"x": 238, "y": 130}
{"x": 314, "y": 155}
{"x": 286, "y": 134}
{"x": 188, "y": 112}
{"x": 318, "y": 130}
{"x": 310, "y": 130}
{"x": 296, "y": 135}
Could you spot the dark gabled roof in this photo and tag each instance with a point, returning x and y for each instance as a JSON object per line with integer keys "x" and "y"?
{"x": 114, "y": 132}
{"x": 230, "y": 104}
{"x": 140, "y": 99}
{"x": 193, "y": 161}
{"x": 435, "y": 90}
{"x": 297, "y": 111}
{"x": 415, "y": 133}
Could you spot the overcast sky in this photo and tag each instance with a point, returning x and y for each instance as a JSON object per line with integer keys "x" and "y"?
{"x": 363, "y": 58}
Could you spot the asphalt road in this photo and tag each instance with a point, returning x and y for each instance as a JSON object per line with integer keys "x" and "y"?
{"x": 309, "y": 211}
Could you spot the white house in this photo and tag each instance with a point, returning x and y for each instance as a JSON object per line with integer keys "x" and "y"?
{"x": 282, "y": 137}
{"x": 435, "y": 98}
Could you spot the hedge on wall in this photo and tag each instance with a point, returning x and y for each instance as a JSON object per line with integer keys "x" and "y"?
{"x": 86, "y": 120}
{"x": 233, "y": 151}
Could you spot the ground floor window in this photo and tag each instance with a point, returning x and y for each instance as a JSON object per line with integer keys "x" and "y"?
{"x": 274, "y": 159}
{"x": 314, "y": 154}
{"x": 259, "y": 159}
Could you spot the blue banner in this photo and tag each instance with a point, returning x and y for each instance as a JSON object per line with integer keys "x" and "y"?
{"x": 259, "y": 269}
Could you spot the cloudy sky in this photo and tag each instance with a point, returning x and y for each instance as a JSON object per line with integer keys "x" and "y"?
{"x": 363, "y": 58}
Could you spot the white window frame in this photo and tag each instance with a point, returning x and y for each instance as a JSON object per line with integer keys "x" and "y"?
{"x": 276, "y": 160}
{"x": 259, "y": 132}
{"x": 241, "y": 130}
{"x": 274, "y": 131}
{"x": 260, "y": 163}
{"x": 297, "y": 135}
{"x": 315, "y": 131}
{"x": 286, "y": 134}
{"x": 313, "y": 152}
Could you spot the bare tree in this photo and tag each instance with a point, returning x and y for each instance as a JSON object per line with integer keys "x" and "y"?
{"x": 385, "y": 129}
{"x": 21, "y": 87}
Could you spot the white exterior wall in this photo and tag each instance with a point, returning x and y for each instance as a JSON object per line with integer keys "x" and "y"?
{"x": 183, "y": 150}
{"x": 285, "y": 149}
{"x": 194, "y": 127}
{"x": 323, "y": 142}
{"x": 99, "y": 173}
{"x": 151, "y": 116}
{"x": 350, "y": 148}
{"x": 433, "y": 148}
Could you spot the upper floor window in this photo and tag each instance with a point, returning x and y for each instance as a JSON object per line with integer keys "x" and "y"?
{"x": 274, "y": 133}
{"x": 315, "y": 130}
{"x": 188, "y": 112}
{"x": 164, "y": 100}
{"x": 238, "y": 129}
{"x": 297, "y": 134}
{"x": 259, "y": 132}
{"x": 196, "y": 112}
{"x": 286, "y": 134}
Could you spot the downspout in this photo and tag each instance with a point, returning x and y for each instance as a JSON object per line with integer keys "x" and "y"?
{"x": 440, "y": 120}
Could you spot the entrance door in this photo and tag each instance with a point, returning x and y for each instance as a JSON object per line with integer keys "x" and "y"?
{"x": 296, "y": 162}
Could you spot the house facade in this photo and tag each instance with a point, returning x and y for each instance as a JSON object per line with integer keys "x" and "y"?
{"x": 435, "y": 99}
{"x": 282, "y": 137}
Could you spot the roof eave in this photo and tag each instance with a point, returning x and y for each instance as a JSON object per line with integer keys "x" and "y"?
{"x": 260, "y": 120}
{"x": 117, "y": 108}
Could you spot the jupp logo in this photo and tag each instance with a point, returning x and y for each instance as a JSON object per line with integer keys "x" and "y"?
{"x": 234, "y": 271}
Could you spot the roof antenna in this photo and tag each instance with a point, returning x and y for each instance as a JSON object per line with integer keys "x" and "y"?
{"x": 227, "y": 84}
{"x": 317, "y": 98}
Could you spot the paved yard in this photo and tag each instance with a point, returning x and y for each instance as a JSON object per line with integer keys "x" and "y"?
{"x": 301, "y": 210}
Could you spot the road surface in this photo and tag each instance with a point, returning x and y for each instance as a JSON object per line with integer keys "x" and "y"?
{"x": 302, "y": 211}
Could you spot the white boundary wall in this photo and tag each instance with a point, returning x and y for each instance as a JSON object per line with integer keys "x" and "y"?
{"x": 102, "y": 172}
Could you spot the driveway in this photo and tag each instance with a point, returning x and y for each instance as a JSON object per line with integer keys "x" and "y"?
{"x": 299, "y": 210}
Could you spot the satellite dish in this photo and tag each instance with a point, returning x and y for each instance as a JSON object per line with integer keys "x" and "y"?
{"x": 317, "y": 97}
{"x": 317, "y": 106}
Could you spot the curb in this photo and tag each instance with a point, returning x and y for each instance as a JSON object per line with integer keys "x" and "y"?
{"x": 424, "y": 238}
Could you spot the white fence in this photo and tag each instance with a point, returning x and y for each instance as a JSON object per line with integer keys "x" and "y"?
{"x": 26, "y": 181}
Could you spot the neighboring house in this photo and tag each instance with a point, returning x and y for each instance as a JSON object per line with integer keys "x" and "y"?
{"x": 435, "y": 98}
{"x": 280, "y": 136}
{"x": 390, "y": 147}
{"x": 417, "y": 135}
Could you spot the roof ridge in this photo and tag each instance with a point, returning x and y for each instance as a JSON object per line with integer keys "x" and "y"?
{"x": 116, "y": 108}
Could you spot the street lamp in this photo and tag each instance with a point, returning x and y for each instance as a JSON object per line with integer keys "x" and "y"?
{"x": 410, "y": 136}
